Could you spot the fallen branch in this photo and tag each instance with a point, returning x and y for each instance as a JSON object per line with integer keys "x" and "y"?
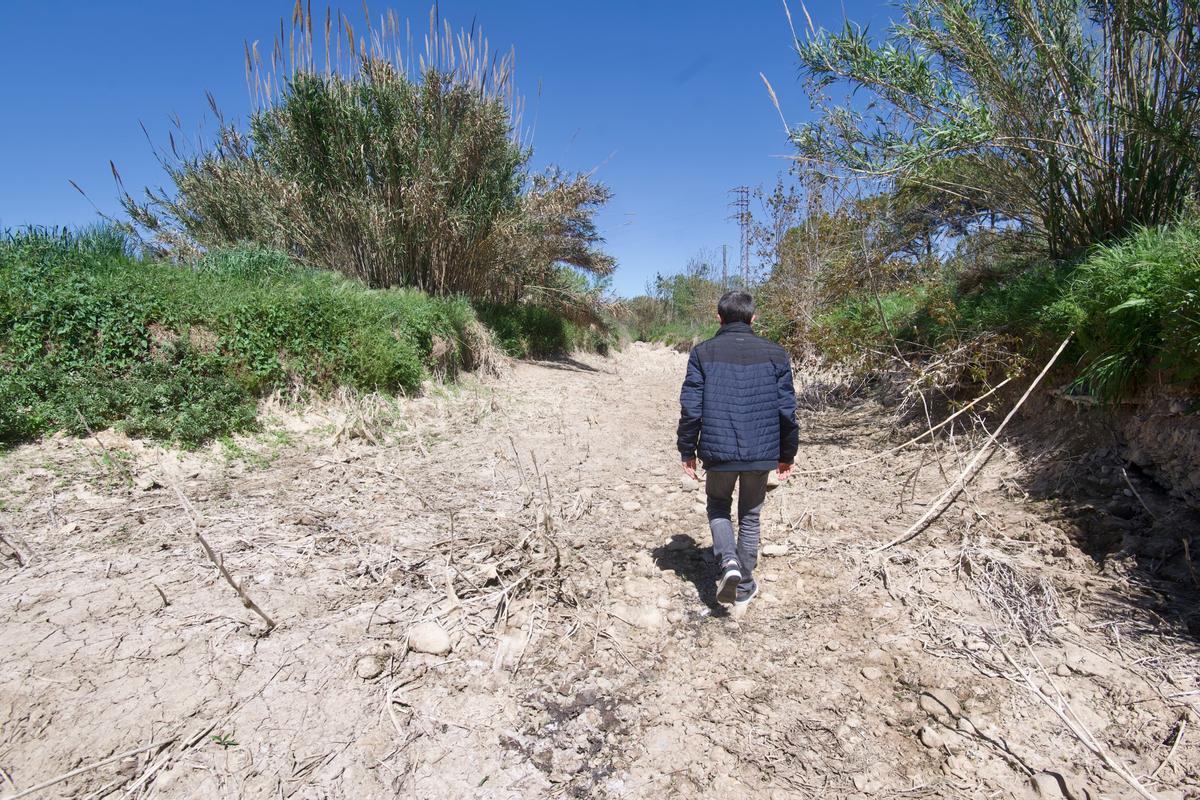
{"x": 1065, "y": 713}
{"x": 88, "y": 768}
{"x": 219, "y": 563}
{"x": 911, "y": 441}
{"x": 1137, "y": 494}
{"x": 21, "y": 559}
{"x": 1178, "y": 738}
{"x": 967, "y": 475}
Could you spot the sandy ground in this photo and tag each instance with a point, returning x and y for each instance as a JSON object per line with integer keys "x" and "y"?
{"x": 504, "y": 591}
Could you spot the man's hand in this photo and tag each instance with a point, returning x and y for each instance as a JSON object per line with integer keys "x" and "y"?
{"x": 689, "y": 468}
{"x": 785, "y": 471}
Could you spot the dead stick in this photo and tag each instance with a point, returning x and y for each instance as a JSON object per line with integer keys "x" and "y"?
{"x": 21, "y": 560}
{"x": 88, "y": 768}
{"x": 1178, "y": 738}
{"x": 1137, "y": 494}
{"x": 219, "y": 563}
{"x": 955, "y": 489}
{"x": 913, "y": 440}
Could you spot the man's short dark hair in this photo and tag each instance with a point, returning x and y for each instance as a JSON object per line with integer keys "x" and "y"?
{"x": 735, "y": 306}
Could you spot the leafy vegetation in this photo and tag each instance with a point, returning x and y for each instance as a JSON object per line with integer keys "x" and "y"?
{"x": 527, "y": 330}
{"x": 1134, "y": 307}
{"x": 679, "y": 308}
{"x": 1073, "y": 119}
{"x": 92, "y": 335}
{"x": 997, "y": 175}
{"x": 393, "y": 168}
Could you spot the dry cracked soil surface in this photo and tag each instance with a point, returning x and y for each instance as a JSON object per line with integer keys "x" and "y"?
{"x": 503, "y": 590}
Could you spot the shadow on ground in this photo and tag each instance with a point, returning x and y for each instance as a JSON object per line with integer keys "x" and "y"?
{"x": 687, "y": 559}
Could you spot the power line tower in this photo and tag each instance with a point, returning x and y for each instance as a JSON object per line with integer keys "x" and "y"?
{"x": 741, "y": 214}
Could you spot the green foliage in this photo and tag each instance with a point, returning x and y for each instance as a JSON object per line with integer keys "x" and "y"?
{"x": 1134, "y": 307}
{"x": 1073, "y": 118}
{"x": 526, "y": 330}
{"x": 91, "y": 334}
{"x": 390, "y": 173}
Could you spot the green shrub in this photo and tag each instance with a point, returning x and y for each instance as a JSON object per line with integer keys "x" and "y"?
{"x": 398, "y": 171}
{"x": 90, "y": 333}
{"x": 526, "y": 330}
{"x": 1135, "y": 306}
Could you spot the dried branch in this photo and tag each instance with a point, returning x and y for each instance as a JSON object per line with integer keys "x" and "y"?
{"x": 955, "y": 489}
{"x": 911, "y": 441}
{"x": 95, "y": 765}
{"x": 219, "y": 562}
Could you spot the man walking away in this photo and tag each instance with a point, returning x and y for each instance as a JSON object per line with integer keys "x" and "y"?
{"x": 738, "y": 411}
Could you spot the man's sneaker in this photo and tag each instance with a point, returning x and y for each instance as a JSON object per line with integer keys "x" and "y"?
{"x": 731, "y": 576}
{"x": 744, "y": 597}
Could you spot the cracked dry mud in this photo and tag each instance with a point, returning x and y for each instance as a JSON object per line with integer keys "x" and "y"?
{"x": 538, "y": 529}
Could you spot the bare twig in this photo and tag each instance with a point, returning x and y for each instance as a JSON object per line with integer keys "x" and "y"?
{"x": 22, "y": 560}
{"x": 1174, "y": 746}
{"x": 120, "y": 466}
{"x": 88, "y": 768}
{"x": 955, "y": 489}
{"x": 1137, "y": 494}
{"x": 1069, "y": 718}
{"x": 911, "y": 441}
{"x": 219, "y": 562}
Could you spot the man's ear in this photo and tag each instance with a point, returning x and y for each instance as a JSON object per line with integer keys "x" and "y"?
{"x": 719, "y": 320}
{"x": 753, "y": 318}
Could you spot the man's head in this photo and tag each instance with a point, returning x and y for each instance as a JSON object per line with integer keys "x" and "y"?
{"x": 735, "y": 306}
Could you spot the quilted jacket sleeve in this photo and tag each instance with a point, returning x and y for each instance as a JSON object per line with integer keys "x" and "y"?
{"x": 691, "y": 407}
{"x": 789, "y": 431}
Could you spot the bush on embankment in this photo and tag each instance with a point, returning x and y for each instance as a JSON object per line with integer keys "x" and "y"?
{"x": 92, "y": 335}
{"x": 1133, "y": 305}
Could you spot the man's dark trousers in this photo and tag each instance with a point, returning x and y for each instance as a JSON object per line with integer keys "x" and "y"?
{"x": 752, "y": 492}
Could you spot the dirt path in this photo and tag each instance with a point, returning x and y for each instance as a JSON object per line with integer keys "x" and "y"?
{"x": 540, "y": 525}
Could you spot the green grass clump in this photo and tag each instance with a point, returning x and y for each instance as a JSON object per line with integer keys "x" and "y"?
{"x": 92, "y": 335}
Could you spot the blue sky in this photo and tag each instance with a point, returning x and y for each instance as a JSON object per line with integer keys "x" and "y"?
{"x": 662, "y": 98}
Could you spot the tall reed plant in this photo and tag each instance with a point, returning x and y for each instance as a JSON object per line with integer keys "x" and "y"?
{"x": 390, "y": 168}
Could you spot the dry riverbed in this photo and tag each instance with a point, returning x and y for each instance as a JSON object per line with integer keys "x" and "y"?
{"x": 503, "y": 591}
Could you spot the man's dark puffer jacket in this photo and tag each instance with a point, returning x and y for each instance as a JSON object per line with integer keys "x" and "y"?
{"x": 739, "y": 403}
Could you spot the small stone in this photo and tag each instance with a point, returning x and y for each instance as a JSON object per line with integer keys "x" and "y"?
{"x": 867, "y": 784}
{"x": 700, "y": 508}
{"x": 674, "y": 616}
{"x": 429, "y": 637}
{"x": 872, "y": 673}
{"x": 833, "y": 645}
{"x": 1063, "y": 671}
{"x": 940, "y": 703}
{"x": 369, "y": 667}
{"x": 657, "y": 491}
{"x": 877, "y": 656}
{"x": 775, "y": 550}
{"x": 931, "y": 738}
{"x": 741, "y": 686}
{"x": 688, "y": 485}
{"x": 631, "y": 505}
